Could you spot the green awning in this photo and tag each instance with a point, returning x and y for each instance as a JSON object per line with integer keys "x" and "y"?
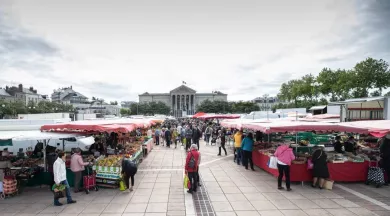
{"x": 6, "y": 142}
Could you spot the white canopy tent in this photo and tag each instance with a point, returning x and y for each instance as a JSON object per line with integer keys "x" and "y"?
{"x": 44, "y": 137}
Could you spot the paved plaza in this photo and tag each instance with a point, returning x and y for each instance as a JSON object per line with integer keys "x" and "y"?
{"x": 227, "y": 189}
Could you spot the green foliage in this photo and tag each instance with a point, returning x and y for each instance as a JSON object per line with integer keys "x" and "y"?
{"x": 150, "y": 108}
{"x": 369, "y": 75}
{"x": 217, "y": 106}
{"x": 125, "y": 112}
{"x": 18, "y": 107}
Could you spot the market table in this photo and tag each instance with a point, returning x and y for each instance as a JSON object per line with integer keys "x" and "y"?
{"x": 340, "y": 172}
{"x": 148, "y": 146}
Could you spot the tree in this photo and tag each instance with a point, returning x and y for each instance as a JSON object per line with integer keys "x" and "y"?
{"x": 114, "y": 102}
{"x": 125, "y": 112}
{"x": 371, "y": 73}
{"x": 217, "y": 106}
{"x": 150, "y": 108}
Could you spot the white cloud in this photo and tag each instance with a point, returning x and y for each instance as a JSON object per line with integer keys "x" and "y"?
{"x": 243, "y": 48}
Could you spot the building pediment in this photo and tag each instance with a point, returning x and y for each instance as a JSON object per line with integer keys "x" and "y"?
{"x": 183, "y": 89}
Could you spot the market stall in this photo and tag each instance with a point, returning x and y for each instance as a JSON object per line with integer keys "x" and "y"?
{"x": 342, "y": 167}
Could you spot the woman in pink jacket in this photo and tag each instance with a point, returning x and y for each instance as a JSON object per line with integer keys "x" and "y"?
{"x": 77, "y": 166}
{"x": 285, "y": 155}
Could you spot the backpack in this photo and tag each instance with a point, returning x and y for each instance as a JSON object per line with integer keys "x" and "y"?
{"x": 192, "y": 162}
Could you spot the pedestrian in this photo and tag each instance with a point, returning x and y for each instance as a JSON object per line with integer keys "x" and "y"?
{"x": 191, "y": 167}
{"x": 129, "y": 169}
{"x": 284, "y": 155}
{"x": 320, "y": 167}
{"x": 59, "y": 171}
{"x": 175, "y": 136}
{"x": 188, "y": 136}
{"x": 208, "y": 134}
{"x": 196, "y": 134}
{"x": 179, "y": 127}
{"x": 183, "y": 135}
{"x": 385, "y": 155}
{"x": 247, "y": 148}
{"x": 77, "y": 166}
{"x": 163, "y": 136}
{"x": 237, "y": 146}
{"x": 157, "y": 136}
{"x": 222, "y": 140}
{"x": 168, "y": 137}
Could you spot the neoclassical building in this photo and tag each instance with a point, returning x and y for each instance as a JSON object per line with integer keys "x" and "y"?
{"x": 182, "y": 100}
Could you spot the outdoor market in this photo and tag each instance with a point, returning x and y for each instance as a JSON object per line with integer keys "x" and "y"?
{"x": 134, "y": 139}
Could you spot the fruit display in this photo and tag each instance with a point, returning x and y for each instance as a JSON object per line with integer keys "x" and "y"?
{"x": 28, "y": 162}
{"x": 110, "y": 161}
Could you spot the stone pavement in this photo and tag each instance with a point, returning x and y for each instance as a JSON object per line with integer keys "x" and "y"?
{"x": 227, "y": 189}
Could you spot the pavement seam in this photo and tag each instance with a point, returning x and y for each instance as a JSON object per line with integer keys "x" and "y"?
{"x": 362, "y": 196}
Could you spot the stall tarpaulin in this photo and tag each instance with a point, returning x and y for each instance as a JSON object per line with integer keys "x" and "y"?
{"x": 199, "y": 114}
{"x": 290, "y": 126}
{"x": 115, "y": 125}
{"x": 378, "y": 128}
{"x": 219, "y": 116}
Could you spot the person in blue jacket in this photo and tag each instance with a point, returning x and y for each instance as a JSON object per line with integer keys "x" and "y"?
{"x": 247, "y": 148}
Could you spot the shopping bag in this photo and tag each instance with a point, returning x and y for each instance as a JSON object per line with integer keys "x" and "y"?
{"x": 309, "y": 164}
{"x": 328, "y": 184}
{"x": 59, "y": 191}
{"x": 122, "y": 186}
{"x": 273, "y": 162}
{"x": 187, "y": 183}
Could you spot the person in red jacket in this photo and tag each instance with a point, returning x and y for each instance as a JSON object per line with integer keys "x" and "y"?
{"x": 191, "y": 166}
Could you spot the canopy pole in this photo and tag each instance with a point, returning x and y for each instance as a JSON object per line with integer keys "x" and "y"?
{"x": 44, "y": 155}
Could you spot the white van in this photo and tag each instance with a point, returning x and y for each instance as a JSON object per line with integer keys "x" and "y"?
{"x": 82, "y": 142}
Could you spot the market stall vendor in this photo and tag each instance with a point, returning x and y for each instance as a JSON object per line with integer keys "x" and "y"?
{"x": 350, "y": 145}
{"x": 338, "y": 146}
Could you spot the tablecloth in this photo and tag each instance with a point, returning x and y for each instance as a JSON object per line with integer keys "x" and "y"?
{"x": 340, "y": 172}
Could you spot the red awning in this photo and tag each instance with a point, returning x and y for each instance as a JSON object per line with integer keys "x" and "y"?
{"x": 199, "y": 114}
{"x": 117, "y": 125}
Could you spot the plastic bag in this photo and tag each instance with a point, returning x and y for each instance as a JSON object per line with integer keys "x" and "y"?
{"x": 187, "y": 183}
{"x": 309, "y": 164}
{"x": 273, "y": 162}
{"x": 122, "y": 186}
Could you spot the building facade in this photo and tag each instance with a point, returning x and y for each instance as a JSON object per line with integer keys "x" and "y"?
{"x": 82, "y": 104}
{"x": 266, "y": 103}
{"x": 182, "y": 100}
{"x": 28, "y": 96}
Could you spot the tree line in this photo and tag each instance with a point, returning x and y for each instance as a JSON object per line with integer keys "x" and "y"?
{"x": 149, "y": 108}
{"x": 369, "y": 77}
{"x": 217, "y": 106}
{"x": 14, "y": 108}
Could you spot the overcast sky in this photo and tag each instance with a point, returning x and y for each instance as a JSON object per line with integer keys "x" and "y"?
{"x": 119, "y": 49}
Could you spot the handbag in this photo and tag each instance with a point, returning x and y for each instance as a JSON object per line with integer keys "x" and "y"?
{"x": 272, "y": 162}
